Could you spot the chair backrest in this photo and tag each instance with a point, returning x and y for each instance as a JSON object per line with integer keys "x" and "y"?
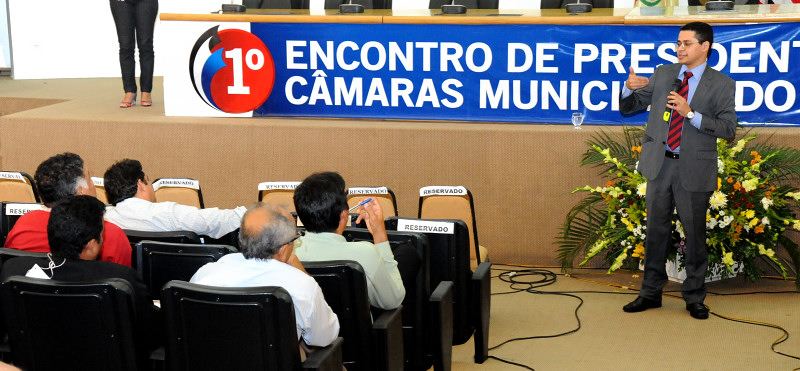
{"x": 100, "y": 188}
{"x": 7, "y": 254}
{"x": 135, "y": 237}
{"x": 161, "y": 262}
{"x": 57, "y": 325}
{"x": 185, "y": 191}
{"x": 224, "y": 328}
{"x": 10, "y": 212}
{"x": 278, "y": 193}
{"x": 344, "y": 286}
{"x": 415, "y": 313}
{"x": 384, "y": 195}
{"x": 449, "y": 245}
{"x": 17, "y": 186}
{"x": 167, "y": 236}
{"x": 451, "y": 202}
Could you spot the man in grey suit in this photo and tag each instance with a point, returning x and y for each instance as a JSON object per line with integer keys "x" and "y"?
{"x": 691, "y": 105}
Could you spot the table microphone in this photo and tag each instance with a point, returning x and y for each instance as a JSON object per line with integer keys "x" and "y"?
{"x": 351, "y": 8}
{"x": 578, "y": 7}
{"x": 452, "y": 8}
{"x": 676, "y": 85}
{"x": 719, "y": 5}
{"x": 236, "y": 8}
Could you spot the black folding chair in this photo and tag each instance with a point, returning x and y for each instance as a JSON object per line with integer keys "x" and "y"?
{"x": 450, "y": 246}
{"x": 56, "y": 325}
{"x": 243, "y": 328}
{"x": 10, "y": 212}
{"x": 161, "y": 262}
{"x": 367, "y": 345}
{"x": 422, "y": 319}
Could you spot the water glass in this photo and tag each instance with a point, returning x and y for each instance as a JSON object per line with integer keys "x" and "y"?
{"x": 577, "y": 120}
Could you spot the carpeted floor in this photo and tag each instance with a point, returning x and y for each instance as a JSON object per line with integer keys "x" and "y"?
{"x": 666, "y": 338}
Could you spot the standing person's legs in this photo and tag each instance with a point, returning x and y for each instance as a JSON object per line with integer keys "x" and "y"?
{"x": 692, "y": 208}
{"x": 660, "y": 206}
{"x": 123, "y": 14}
{"x": 146, "y": 12}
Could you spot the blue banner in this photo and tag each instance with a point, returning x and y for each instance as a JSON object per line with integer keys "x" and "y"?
{"x": 507, "y": 73}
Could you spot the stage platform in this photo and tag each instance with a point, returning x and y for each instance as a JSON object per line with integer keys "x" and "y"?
{"x": 520, "y": 175}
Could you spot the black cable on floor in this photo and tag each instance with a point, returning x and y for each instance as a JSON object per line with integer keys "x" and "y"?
{"x": 511, "y": 276}
{"x": 544, "y": 278}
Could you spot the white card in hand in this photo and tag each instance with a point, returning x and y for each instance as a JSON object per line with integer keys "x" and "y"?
{"x": 36, "y": 272}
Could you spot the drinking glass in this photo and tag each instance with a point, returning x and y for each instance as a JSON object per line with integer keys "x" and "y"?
{"x": 577, "y": 120}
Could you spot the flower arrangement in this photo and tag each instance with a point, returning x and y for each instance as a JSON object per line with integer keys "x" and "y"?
{"x": 747, "y": 219}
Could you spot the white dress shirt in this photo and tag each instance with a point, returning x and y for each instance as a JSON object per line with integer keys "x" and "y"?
{"x": 384, "y": 285}
{"x": 316, "y": 323}
{"x": 142, "y": 215}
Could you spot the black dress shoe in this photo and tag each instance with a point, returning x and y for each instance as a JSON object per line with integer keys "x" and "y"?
{"x": 698, "y": 310}
{"x": 641, "y": 304}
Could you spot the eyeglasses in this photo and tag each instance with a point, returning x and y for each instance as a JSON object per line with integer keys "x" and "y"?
{"x": 296, "y": 236}
{"x": 684, "y": 44}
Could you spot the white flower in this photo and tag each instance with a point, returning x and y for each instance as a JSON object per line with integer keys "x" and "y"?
{"x": 720, "y": 166}
{"x": 641, "y": 189}
{"x": 711, "y": 223}
{"x": 718, "y": 200}
{"x": 766, "y": 203}
{"x": 765, "y": 221}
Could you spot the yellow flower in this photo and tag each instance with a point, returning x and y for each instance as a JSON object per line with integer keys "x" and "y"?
{"x": 627, "y": 223}
{"x": 750, "y": 184}
{"x": 638, "y": 250}
{"x": 750, "y": 214}
{"x": 728, "y": 259}
{"x": 767, "y": 252}
{"x": 754, "y": 222}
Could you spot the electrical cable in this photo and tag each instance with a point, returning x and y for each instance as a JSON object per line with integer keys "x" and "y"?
{"x": 512, "y": 276}
{"x": 517, "y": 285}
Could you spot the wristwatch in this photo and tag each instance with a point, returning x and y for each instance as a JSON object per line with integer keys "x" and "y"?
{"x": 690, "y": 115}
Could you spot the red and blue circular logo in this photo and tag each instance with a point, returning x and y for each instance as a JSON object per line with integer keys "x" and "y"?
{"x": 231, "y": 70}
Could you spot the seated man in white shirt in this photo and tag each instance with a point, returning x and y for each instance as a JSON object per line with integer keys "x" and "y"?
{"x": 321, "y": 204}
{"x": 266, "y": 240}
{"x": 135, "y": 206}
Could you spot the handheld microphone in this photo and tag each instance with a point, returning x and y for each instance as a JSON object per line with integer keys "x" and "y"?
{"x": 578, "y": 7}
{"x": 452, "y": 8}
{"x": 351, "y": 8}
{"x": 676, "y": 85}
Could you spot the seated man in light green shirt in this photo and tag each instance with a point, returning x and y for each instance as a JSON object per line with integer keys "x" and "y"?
{"x": 321, "y": 204}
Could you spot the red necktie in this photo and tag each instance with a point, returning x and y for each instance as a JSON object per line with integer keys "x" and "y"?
{"x": 676, "y": 124}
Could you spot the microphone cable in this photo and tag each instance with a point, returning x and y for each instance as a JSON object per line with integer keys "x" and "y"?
{"x": 531, "y": 279}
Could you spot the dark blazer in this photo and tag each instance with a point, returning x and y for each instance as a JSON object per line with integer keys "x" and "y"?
{"x": 713, "y": 98}
{"x": 75, "y": 270}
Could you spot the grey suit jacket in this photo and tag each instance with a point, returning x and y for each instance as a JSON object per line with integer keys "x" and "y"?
{"x": 713, "y": 98}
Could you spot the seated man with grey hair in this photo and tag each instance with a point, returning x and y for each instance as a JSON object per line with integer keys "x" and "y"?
{"x": 266, "y": 241}
{"x": 57, "y": 178}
